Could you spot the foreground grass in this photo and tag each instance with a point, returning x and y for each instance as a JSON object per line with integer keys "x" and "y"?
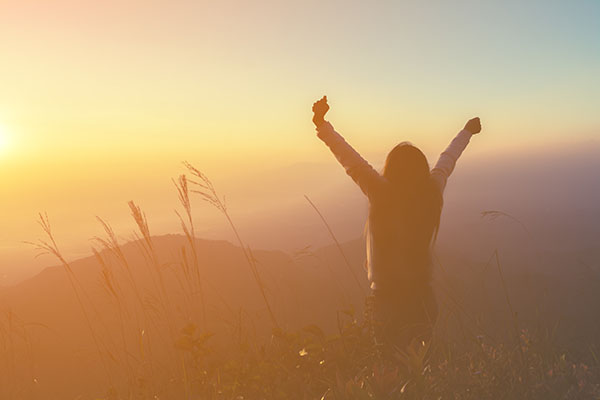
{"x": 308, "y": 364}
{"x": 162, "y": 350}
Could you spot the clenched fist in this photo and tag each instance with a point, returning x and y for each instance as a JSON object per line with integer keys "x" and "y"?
{"x": 473, "y": 125}
{"x": 319, "y": 109}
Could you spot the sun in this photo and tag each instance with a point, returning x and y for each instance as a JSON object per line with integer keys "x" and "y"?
{"x": 3, "y": 138}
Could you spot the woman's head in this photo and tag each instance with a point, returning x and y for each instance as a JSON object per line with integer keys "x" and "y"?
{"x": 406, "y": 164}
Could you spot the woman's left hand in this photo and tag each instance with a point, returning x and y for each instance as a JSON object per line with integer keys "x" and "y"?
{"x": 473, "y": 126}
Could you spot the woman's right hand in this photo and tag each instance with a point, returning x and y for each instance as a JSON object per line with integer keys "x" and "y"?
{"x": 319, "y": 109}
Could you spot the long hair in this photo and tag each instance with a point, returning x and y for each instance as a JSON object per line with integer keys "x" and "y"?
{"x": 404, "y": 223}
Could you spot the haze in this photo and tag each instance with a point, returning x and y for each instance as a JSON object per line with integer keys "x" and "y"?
{"x": 99, "y": 104}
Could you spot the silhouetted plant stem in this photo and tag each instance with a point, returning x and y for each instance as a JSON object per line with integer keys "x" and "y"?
{"x": 111, "y": 244}
{"x": 513, "y": 315}
{"x": 209, "y": 194}
{"x": 190, "y": 234}
{"x": 492, "y": 215}
{"x": 252, "y": 263}
{"x": 360, "y": 287}
{"x": 457, "y": 303}
{"x": 50, "y": 247}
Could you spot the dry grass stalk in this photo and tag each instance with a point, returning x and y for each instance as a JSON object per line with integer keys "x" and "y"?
{"x": 207, "y": 192}
{"x": 339, "y": 246}
{"x": 189, "y": 230}
{"x": 50, "y": 247}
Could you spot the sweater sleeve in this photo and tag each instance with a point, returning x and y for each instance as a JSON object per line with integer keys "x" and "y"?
{"x": 447, "y": 161}
{"x": 367, "y": 178}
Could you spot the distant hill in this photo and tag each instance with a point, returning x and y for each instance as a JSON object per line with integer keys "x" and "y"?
{"x": 50, "y": 313}
{"x": 310, "y": 286}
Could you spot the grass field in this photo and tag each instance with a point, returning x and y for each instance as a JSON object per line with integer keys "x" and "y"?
{"x": 161, "y": 343}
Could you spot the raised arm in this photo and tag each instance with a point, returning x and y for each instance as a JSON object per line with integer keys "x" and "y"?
{"x": 447, "y": 161}
{"x": 367, "y": 178}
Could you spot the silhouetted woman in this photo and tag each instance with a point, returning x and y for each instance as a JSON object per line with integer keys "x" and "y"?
{"x": 405, "y": 204}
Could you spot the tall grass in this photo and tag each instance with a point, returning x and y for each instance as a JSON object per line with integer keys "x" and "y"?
{"x": 193, "y": 271}
{"x": 151, "y": 322}
{"x": 162, "y": 346}
{"x": 49, "y": 246}
{"x": 207, "y": 192}
{"x": 338, "y": 245}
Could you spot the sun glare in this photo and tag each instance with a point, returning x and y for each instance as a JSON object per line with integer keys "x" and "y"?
{"x": 3, "y": 138}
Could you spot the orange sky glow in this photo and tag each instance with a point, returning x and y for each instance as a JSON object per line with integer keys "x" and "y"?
{"x": 101, "y": 101}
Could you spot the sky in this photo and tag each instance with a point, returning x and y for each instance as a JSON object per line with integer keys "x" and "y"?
{"x": 100, "y": 101}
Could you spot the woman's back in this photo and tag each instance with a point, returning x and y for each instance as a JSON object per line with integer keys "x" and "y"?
{"x": 399, "y": 231}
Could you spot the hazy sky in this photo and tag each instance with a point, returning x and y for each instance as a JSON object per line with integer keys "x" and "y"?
{"x": 100, "y": 100}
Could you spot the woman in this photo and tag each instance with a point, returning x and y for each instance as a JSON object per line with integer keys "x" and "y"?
{"x": 405, "y": 204}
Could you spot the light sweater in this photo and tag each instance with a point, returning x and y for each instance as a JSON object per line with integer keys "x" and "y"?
{"x": 372, "y": 183}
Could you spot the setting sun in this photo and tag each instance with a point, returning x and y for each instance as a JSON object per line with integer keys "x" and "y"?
{"x": 3, "y": 138}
